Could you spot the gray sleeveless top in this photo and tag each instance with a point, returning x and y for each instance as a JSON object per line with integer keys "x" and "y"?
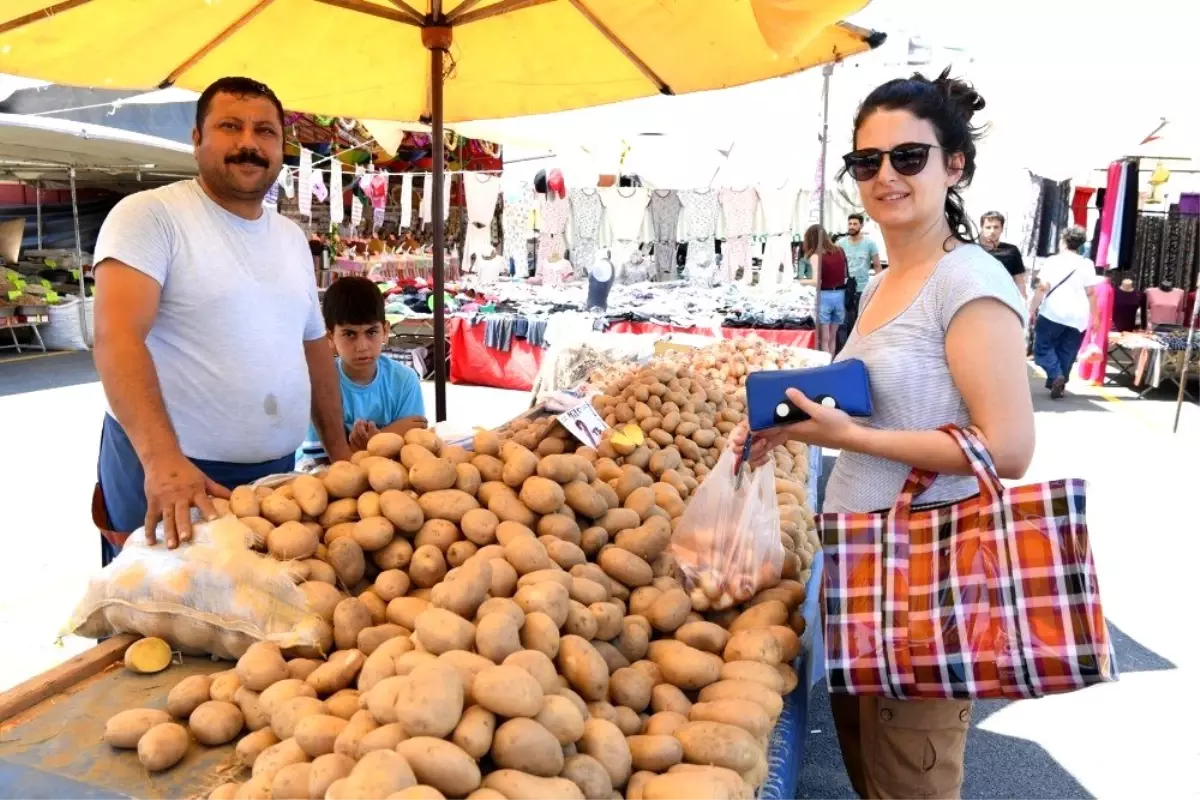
{"x": 911, "y": 387}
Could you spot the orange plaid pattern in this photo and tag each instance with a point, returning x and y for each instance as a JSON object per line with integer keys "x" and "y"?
{"x": 992, "y": 596}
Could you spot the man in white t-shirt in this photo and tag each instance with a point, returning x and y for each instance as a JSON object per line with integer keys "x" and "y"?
{"x": 1063, "y": 307}
{"x": 209, "y": 337}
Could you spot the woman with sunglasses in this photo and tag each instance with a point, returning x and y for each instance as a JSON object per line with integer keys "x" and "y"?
{"x": 941, "y": 332}
{"x": 829, "y": 262}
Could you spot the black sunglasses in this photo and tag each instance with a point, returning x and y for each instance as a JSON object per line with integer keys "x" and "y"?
{"x": 908, "y": 159}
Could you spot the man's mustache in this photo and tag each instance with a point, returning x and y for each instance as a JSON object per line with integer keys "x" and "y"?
{"x": 247, "y": 157}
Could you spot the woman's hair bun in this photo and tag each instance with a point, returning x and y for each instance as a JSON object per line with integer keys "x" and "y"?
{"x": 960, "y": 93}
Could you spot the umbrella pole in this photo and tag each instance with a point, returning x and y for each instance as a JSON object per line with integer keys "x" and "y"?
{"x": 437, "y": 40}
{"x": 1187, "y": 356}
{"x": 38, "y": 202}
{"x": 83, "y": 314}
{"x": 826, "y": 73}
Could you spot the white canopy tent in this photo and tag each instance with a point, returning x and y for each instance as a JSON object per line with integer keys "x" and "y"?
{"x": 51, "y": 152}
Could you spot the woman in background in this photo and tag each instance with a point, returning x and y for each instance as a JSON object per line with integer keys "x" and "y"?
{"x": 829, "y": 266}
{"x": 941, "y": 333}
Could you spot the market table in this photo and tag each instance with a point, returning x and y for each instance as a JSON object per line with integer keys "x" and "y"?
{"x": 51, "y": 730}
{"x": 51, "y": 725}
{"x": 473, "y": 362}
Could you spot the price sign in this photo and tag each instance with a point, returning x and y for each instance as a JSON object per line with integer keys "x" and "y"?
{"x": 14, "y": 294}
{"x": 51, "y": 296}
{"x": 46, "y": 284}
{"x": 584, "y": 424}
{"x": 19, "y": 283}
{"x": 74, "y": 274}
{"x": 51, "y": 263}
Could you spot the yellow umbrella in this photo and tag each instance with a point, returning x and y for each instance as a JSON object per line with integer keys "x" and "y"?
{"x": 433, "y": 60}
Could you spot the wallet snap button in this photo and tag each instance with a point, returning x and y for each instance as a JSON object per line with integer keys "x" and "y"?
{"x": 829, "y": 402}
{"x": 782, "y": 410}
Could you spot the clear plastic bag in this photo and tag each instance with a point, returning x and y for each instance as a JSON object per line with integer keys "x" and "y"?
{"x": 211, "y": 595}
{"x": 727, "y": 542}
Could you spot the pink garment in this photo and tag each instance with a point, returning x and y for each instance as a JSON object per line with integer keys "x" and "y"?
{"x": 1164, "y": 308}
{"x": 1094, "y": 369}
{"x": 1116, "y": 171}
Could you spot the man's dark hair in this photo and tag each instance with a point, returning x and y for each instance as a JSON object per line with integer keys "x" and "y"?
{"x": 996, "y": 215}
{"x": 1074, "y": 238}
{"x": 239, "y": 87}
{"x": 352, "y": 300}
{"x": 861, "y": 219}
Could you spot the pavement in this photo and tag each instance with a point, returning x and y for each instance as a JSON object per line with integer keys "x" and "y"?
{"x": 1133, "y": 738}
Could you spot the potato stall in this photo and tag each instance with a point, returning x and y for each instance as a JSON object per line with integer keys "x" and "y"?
{"x": 519, "y": 615}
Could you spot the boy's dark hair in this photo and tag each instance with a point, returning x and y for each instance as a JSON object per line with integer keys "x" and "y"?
{"x": 857, "y": 216}
{"x": 238, "y": 87}
{"x": 352, "y": 300}
{"x": 996, "y": 215}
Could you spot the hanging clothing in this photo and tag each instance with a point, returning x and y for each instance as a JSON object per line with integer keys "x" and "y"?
{"x": 1052, "y": 216}
{"x": 1099, "y": 219}
{"x": 406, "y": 198}
{"x": 1108, "y": 213}
{"x": 1129, "y": 204}
{"x": 700, "y": 220}
{"x": 426, "y": 207}
{"x": 1095, "y": 341}
{"x": 779, "y": 211}
{"x": 586, "y": 213}
{"x": 626, "y": 211}
{"x": 482, "y": 191}
{"x": 489, "y": 270}
{"x": 1118, "y": 228}
{"x": 664, "y": 210}
{"x": 552, "y": 236}
{"x": 518, "y": 208}
{"x": 739, "y": 207}
{"x": 1079, "y": 204}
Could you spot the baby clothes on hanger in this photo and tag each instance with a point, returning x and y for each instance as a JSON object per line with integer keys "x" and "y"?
{"x": 586, "y": 210}
{"x": 552, "y": 237}
{"x": 778, "y": 206}
{"x": 664, "y": 211}
{"x": 482, "y": 191}
{"x": 700, "y": 219}
{"x": 518, "y": 208}
{"x": 739, "y": 206}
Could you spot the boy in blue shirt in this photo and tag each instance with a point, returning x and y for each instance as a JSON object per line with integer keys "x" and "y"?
{"x": 378, "y": 394}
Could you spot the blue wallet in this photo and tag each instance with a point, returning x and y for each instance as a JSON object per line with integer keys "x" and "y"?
{"x": 843, "y": 384}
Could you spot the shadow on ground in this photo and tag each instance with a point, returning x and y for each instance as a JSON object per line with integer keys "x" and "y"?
{"x": 46, "y": 372}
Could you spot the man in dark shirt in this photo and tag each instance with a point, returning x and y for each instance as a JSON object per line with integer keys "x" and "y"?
{"x": 991, "y": 227}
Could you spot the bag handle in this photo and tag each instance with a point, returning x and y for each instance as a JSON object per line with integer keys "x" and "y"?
{"x": 982, "y": 465}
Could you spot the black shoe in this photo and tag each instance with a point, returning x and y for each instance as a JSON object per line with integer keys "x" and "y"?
{"x": 1058, "y": 388}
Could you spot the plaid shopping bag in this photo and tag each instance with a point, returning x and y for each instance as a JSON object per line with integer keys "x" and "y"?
{"x": 992, "y": 596}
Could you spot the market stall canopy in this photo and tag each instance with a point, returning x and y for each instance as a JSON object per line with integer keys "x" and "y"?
{"x": 41, "y": 148}
{"x": 508, "y": 57}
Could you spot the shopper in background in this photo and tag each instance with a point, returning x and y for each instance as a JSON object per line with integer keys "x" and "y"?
{"x": 941, "y": 333}
{"x": 991, "y": 228}
{"x": 378, "y": 394}
{"x": 829, "y": 265}
{"x": 862, "y": 258}
{"x": 1063, "y": 307}
{"x": 209, "y": 340}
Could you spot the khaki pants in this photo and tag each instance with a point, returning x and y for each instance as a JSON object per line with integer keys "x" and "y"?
{"x": 902, "y": 748}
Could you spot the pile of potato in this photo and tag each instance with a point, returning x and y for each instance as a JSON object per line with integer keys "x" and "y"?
{"x": 498, "y": 624}
{"x": 682, "y": 407}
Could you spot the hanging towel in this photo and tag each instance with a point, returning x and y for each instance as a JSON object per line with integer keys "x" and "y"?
{"x": 306, "y": 182}
{"x": 356, "y": 206}
{"x": 337, "y": 211}
{"x": 426, "y": 199}
{"x": 406, "y": 194}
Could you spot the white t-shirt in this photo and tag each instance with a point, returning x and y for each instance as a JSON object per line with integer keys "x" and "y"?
{"x": 239, "y": 300}
{"x": 1068, "y": 304}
